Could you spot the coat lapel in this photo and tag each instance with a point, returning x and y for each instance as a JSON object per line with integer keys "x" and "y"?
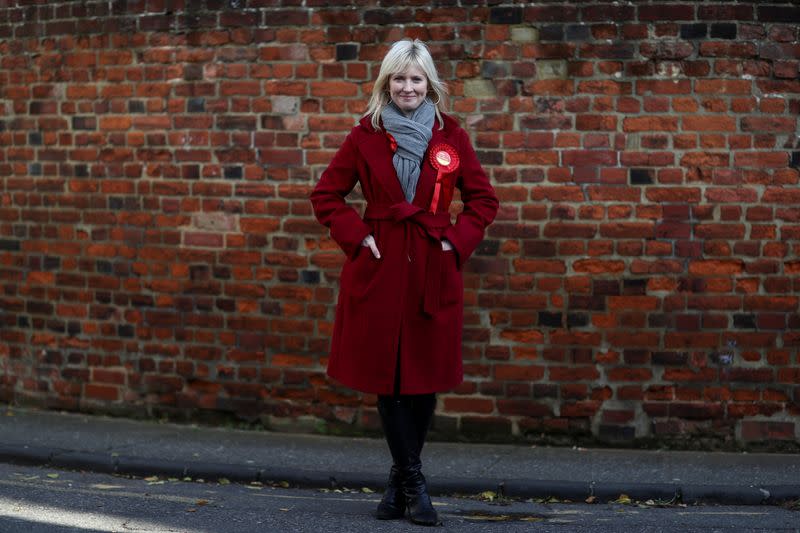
{"x": 378, "y": 155}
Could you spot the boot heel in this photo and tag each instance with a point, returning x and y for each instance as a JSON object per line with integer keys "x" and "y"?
{"x": 420, "y": 508}
{"x": 393, "y": 503}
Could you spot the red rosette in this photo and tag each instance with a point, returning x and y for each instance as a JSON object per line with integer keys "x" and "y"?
{"x": 444, "y": 159}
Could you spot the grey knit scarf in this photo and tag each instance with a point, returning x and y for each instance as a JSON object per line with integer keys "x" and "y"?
{"x": 412, "y": 133}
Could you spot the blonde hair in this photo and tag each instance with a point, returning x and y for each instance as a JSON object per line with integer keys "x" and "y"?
{"x": 402, "y": 55}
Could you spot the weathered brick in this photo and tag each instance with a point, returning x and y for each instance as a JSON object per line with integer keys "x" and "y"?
{"x": 646, "y": 209}
{"x": 505, "y": 15}
{"x": 782, "y": 14}
{"x": 661, "y": 12}
{"x": 756, "y": 430}
{"x": 469, "y": 405}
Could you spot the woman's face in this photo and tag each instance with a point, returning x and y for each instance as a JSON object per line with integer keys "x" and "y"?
{"x": 408, "y": 88}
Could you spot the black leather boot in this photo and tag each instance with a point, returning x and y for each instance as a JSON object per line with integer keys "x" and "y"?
{"x": 393, "y": 503}
{"x": 420, "y": 508}
{"x": 405, "y": 426}
{"x": 422, "y": 408}
{"x": 392, "y": 411}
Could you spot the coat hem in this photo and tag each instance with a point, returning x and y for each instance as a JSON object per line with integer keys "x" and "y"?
{"x": 390, "y": 390}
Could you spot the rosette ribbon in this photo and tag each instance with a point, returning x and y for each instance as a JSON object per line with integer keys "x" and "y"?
{"x": 444, "y": 159}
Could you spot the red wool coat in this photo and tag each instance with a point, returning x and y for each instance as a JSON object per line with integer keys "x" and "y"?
{"x": 408, "y": 303}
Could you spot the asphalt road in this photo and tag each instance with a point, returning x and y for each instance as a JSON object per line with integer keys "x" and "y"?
{"x": 38, "y": 500}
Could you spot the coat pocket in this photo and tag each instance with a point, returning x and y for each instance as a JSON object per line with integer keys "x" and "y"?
{"x": 451, "y": 285}
{"x": 363, "y": 273}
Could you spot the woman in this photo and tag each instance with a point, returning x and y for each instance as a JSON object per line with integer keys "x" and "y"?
{"x": 397, "y": 331}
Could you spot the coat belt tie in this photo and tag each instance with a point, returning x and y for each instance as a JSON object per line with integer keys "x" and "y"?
{"x": 432, "y": 226}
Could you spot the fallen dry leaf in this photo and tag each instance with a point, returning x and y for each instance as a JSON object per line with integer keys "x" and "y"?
{"x": 591, "y": 499}
{"x": 623, "y": 499}
{"x": 488, "y": 495}
{"x": 52, "y": 476}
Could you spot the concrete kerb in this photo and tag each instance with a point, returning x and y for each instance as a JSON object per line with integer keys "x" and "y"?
{"x": 663, "y": 492}
{"x": 576, "y": 491}
{"x": 727, "y": 494}
{"x": 76, "y": 460}
{"x": 779, "y": 494}
{"x": 26, "y": 455}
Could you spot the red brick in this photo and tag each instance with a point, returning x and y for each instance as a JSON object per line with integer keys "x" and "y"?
{"x": 695, "y": 411}
{"x": 596, "y": 266}
{"x": 650, "y": 123}
{"x": 771, "y": 303}
{"x": 719, "y": 267}
{"x": 629, "y": 374}
{"x": 725, "y": 49}
{"x": 528, "y": 408}
{"x": 754, "y": 430}
{"x": 518, "y": 372}
{"x": 662, "y": 12}
{"x": 101, "y": 392}
{"x": 108, "y": 376}
{"x": 617, "y": 416}
{"x": 579, "y": 409}
{"x": 708, "y": 123}
{"x": 573, "y": 373}
{"x": 459, "y": 404}
{"x": 633, "y": 302}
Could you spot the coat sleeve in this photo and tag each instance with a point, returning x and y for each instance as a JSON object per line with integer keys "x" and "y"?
{"x": 480, "y": 202}
{"x": 327, "y": 200}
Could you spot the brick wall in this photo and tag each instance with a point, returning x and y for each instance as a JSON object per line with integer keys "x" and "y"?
{"x": 158, "y": 254}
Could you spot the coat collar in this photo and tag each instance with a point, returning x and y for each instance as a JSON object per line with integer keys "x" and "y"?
{"x": 376, "y": 151}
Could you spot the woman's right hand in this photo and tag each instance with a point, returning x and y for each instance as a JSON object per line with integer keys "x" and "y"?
{"x": 369, "y": 241}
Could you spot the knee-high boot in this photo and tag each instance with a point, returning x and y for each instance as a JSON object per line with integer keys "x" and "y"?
{"x": 420, "y": 508}
{"x": 423, "y": 407}
{"x": 402, "y": 425}
{"x": 393, "y": 503}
